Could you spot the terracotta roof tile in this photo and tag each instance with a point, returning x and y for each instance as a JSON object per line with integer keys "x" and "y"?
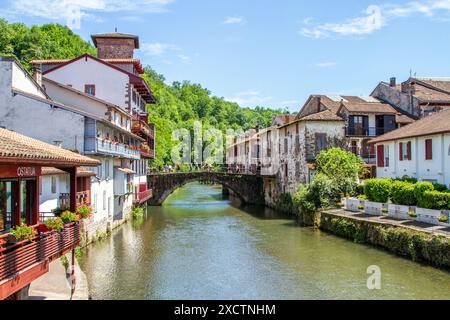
{"x": 365, "y": 107}
{"x": 434, "y": 124}
{"x": 81, "y": 172}
{"x": 326, "y": 115}
{"x": 25, "y": 149}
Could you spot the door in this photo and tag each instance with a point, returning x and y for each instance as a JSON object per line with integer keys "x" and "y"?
{"x": 8, "y": 204}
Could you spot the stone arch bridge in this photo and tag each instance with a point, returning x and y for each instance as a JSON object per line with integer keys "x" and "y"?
{"x": 249, "y": 188}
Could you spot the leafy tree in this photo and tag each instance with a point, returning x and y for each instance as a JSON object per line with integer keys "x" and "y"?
{"x": 342, "y": 167}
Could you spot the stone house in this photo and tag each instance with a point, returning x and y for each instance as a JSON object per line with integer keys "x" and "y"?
{"x": 417, "y": 97}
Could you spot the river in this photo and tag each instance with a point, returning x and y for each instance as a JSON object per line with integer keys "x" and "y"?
{"x": 199, "y": 245}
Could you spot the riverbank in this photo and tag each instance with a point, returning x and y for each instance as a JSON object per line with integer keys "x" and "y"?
{"x": 418, "y": 241}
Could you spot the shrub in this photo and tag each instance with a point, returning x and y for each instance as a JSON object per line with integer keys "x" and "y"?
{"x": 21, "y": 233}
{"x": 407, "y": 179}
{"x": 137, "y": 212}
{"x": 68, "y": 217}
{"x": 435, "y": 200}
{"x": 55, "y": 224}
{"x": 285, "y": 203}
{"x": 378, "y": 190}
{"x": 420, "y": 188}
{"x": 402, "y": 193}
{"x": 440, "y": 187}
{"x": 84, "y": 211}
{"x": 303, "y": 199}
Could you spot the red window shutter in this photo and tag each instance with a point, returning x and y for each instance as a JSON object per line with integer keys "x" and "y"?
{"x": 408, "y": 150}
{"x": 401, "y": 151}
{"x": 429, "y": 149}
{"x": 380, "y": 156}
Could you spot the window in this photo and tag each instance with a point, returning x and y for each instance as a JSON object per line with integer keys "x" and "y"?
{"x": 107, "y": 169}
{"x": 134, "y": 97}
{"x": 386, "y": 156}
{"x": 53, "y": 185}
{"x": 100, "y": 170}
{"x": 89, "y": 89}
{"x": 321, "y": 142}
{"x": 429, "y": 149}
{"x": 104, "y": 200}
{"x": 405, "y": 151}
{"x": 94, "y": 202}
{"x": 380, "y": 156}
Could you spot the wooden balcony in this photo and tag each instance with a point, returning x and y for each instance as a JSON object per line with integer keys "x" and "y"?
{"x": 142, "y": 197}
{"x": 23, "y": 262}
{"x": 139, "y": 127}
{"x": 146, "y": 151}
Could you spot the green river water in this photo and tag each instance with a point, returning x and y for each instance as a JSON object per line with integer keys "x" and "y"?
{"x": 199, "y": 245}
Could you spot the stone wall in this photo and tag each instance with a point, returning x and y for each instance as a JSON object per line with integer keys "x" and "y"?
{"x": 115, "y": 48}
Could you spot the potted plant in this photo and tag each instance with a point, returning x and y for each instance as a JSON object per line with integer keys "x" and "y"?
{"x": 22, "y": 233}
{"x": 84, "y": 212}
{"x": 412, "y": 214}
{"x": 443, "y": 220}
{"x": 361, "y": 208}
{"x": 58, "y": 211}
{"x": 68, "y": 217}
{"x": 55, "y": 224}
{"x": 431, "y": 206}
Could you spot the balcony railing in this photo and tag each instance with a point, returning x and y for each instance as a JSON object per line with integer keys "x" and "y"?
{"x": 83, "y": 197}
{"x": 139, "y": 126}
{"x": 146, "y": 151}
{"x": 23, "y": 262}
{"x": 117, "y": 149}
{"x": 141, "y": 197}
{"x": 366, "y": 132}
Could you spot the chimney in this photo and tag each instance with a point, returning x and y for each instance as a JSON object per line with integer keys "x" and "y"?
{"x": 393, "y": 82}
{"x": 37, "y": 74}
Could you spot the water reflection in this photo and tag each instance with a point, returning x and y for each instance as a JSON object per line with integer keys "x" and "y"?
{"x": 200, "y": 245}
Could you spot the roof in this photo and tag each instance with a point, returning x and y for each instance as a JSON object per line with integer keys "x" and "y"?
{"x": 136, "y": 62}
{"x": 116, "y": 35}
{"x": 434, "y": 124}
{"x": 374, "y": 107}
{"x": 81, "y": 172}
{"x": 283, "y": 119}
{"x": 139, "y": 83}
{"x": 326, "y": 115}
{"x": 427, "y": 90}
{"x": 17, "y": 148}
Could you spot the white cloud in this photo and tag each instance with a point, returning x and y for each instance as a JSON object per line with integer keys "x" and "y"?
{"x": 373, "y": 20}
{"x": 157, "y": 48}
{"x": 325, "y": 64}
{"x": 234, "y": 20}
{"x": 250, "y": 98}
{"x": 376, "y": 16}
{"x": 184, "y": 58}
{"x": 71, "y": 10}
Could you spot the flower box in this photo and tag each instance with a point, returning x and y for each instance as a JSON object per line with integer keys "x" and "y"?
{"x": 398, "y": 211}
{"x": 429, "y": 215}
{"x": 373, "y": 208}
{"x": 352, "y": 204}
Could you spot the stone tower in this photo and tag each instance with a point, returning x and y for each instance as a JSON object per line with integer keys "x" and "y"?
{"x": 115, "y": 45}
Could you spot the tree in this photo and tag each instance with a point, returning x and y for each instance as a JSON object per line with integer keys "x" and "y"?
{"x": 342, "y": 167}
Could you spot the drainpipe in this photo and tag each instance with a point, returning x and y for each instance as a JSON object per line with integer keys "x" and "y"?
{"x": 443, "y": 152}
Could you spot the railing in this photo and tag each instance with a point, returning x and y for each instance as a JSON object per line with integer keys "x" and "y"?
{"x": 366, "y": 132}
{"x": 143, "y": 196}
{"x": 82, "y": 197}
{"x": 18, "y": 260}
{"x": 118, "y": 149}
{"x": 140, "y": 126}
{"x": 44, "y": 216}
{"x": 146, "y": 151}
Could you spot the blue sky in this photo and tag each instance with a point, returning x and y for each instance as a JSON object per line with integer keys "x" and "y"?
{"x": 269, "y": 52}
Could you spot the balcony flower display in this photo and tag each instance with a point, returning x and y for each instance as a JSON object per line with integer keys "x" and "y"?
{"x": 56, "y": 224}
{"x": 84, "y": 211}
{"x": 21, "y": 233}
{"x": 58, "y": 211}
{"x": 69, "y": 217}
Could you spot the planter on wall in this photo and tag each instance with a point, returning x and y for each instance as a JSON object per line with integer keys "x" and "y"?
{"x": 352, "y": 204}
{"x": 398, "y": 211}
{"x": 373, "y": 208}
{"x": 429, "y": 215}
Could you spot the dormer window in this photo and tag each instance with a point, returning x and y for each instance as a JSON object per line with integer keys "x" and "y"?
{"x": 89, "y": 89}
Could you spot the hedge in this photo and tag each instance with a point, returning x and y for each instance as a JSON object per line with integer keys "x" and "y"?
{"x": 402, "y": 193}
{"x": 420, "y": 188}
{"x": 434, "y": 200}
{"x": 378, "y": 190}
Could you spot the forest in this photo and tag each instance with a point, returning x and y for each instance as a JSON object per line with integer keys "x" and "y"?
{"x": 178, "y": 105}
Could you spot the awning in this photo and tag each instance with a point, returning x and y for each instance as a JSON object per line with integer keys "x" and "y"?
{"x": 126, "y": 170}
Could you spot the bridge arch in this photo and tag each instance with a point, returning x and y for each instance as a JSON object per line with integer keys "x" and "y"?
{"x": 248, "y": 188}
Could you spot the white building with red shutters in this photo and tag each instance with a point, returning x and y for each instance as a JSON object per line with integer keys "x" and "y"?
{"x": 420, "y": 150}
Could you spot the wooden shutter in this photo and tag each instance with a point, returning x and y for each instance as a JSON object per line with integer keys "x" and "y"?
{"x": 429, "y": 149}
{"x": 408, "y": 150}
{"x": 380, "y": 156}
{"x": 401, "y": 151}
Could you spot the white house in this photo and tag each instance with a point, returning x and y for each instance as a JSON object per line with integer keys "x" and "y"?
{"x": 113, "y": 77}
{"x": 420, "y": 150}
